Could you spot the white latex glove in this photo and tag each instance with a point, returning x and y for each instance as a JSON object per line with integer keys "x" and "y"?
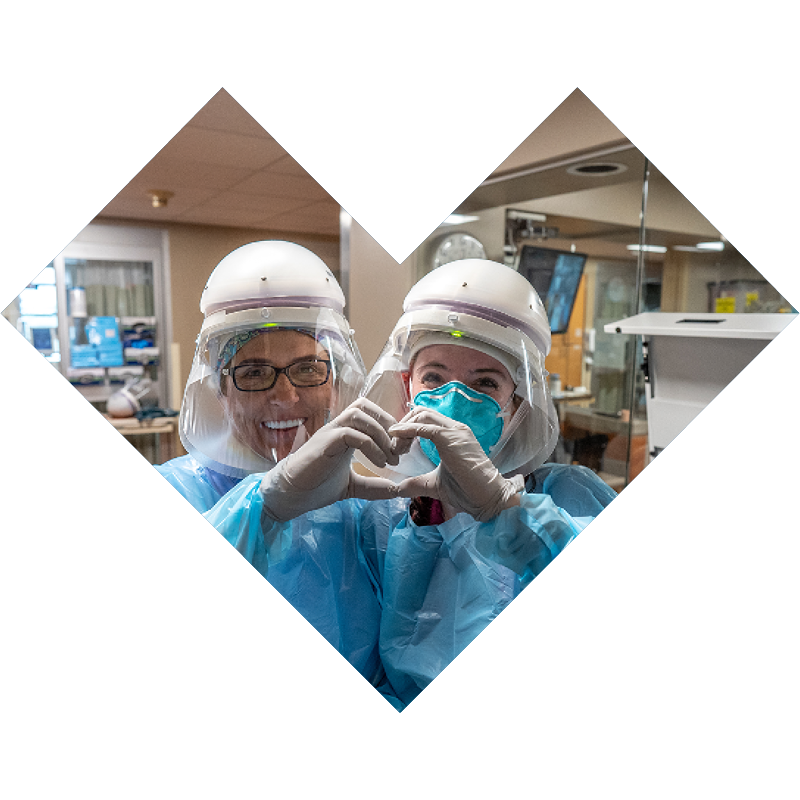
{"x": 465, "y": 479}
{"x": 318, "y": 473}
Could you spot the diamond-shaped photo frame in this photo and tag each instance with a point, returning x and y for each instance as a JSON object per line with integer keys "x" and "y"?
{"x": 223, "y": 172}
{"x": 701, "y": 109}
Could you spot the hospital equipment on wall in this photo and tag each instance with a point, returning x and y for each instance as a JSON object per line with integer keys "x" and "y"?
{"x": 98, "y": 313}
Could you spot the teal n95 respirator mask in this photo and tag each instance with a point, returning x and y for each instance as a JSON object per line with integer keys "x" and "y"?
{"x": 480, "y": 412}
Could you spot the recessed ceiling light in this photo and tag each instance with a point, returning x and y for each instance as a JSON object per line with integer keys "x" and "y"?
{"x": 648, "y": 248}
{"x": 597, "y": 169}
{"x": 711, "y": 246}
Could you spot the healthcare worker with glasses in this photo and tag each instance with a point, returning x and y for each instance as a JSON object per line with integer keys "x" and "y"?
{"x": 464, "y": 373}
{"x": 270, "y": 419}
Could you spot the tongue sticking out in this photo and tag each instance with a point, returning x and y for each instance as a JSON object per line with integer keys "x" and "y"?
{"x": 284, "y": 436}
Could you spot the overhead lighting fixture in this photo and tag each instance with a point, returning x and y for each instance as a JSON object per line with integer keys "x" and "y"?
{"x": 160, "y": 197}
{"x": 700, "y": 247}
{"x": 597, "y": 169}
{"x": 458, "y": 219}
{"x": 526, "y": 216}
{"x": 647, "y": 248}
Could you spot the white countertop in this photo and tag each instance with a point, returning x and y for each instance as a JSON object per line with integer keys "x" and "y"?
{"x": 717, "y": 326}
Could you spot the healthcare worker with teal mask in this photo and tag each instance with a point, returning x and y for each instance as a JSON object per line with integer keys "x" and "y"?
{"x": 463, "y": 373}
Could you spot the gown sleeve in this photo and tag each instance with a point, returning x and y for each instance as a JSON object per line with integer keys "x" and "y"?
{"x": 239, "y": 517}
{"x": 526, "y": 538}
{"x": 574, "y": 488}
{"x": 190, "y": 479}
{"x": 559, "y": 502}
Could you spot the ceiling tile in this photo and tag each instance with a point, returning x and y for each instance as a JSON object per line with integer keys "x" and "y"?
{"x": 320, "y": 218}
{"x": 267, "y": 182}
{"x": 178, "y": 174}
{"x": 289, "y": 166}
{"x": 226, "y": 149}
{"x": 293, "y": 224}
{"x": 224, "y": 169}
{"x": 223, "y": 113}
{"x": 233, "y": 218}
{"x": 263, "y": 205}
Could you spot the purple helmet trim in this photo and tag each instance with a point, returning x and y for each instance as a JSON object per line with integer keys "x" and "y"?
{"x": 489, "y": 314}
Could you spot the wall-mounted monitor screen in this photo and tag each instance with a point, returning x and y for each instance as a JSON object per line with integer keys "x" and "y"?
{"x": 555, "y": 275}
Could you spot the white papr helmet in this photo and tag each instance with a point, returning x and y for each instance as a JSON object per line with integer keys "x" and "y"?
{"x": 489, "y": 307}
{"x": 260, "y": 287}
{"x": 126, "y": 402}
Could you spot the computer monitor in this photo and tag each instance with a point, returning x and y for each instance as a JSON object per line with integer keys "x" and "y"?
{"x": 555, "y": 275}
{"x": 42, "y": 339}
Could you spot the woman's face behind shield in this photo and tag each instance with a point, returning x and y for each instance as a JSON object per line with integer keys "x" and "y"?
{"x": 274, "y": 421}
{"x": 439, "y": 364}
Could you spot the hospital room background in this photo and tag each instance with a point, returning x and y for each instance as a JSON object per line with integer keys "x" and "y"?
{"x": 652, "y": 310}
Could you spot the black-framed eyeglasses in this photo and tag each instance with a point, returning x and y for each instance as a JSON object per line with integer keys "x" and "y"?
{"x": 260, "y": 377}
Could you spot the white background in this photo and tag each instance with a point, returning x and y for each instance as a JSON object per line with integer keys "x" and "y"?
{"x": 142, "y": 657}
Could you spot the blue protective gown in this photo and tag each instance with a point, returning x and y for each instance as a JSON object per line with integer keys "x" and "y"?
{"x": 369, "y": 579}
{"x": 313, "y": 561}
{"x": 441, "y": 585}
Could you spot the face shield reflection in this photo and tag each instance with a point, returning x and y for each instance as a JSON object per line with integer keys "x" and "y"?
{"x": 276, "y": 391}
{"x": 260, "y": 390}
{"x": 421, "y": 357}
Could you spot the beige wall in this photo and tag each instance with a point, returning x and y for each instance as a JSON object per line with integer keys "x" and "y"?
{"x": 378, "y": 286}
{"x": 687, "y": 275}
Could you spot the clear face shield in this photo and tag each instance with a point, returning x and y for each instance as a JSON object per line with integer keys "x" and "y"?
{"x": 489, "y": 376}
{"x": 263, "y": 381}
